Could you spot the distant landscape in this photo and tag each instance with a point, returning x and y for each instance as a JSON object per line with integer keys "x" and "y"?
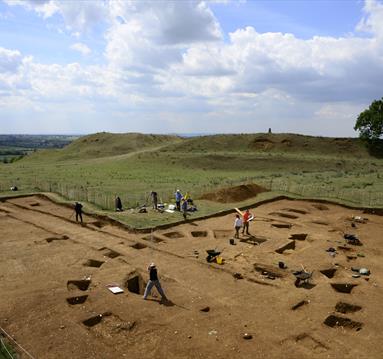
{"x": 97, "y": 167}
{"x": 14, "y": 147}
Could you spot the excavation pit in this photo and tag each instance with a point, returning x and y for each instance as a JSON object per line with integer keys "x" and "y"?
{"x": 281, "y": 225}
{"x": 299, "y": 211}
{"x": 138, "y": 246}
{"x": 78, "y": 284}
{"x": 299, "y": 304}
{"x": 199, "y": 233}
{"x": 322, "y": 223}
{"x": 287, "y": 246}
{"x": 343, "y": 287}
{"x": 35, "y": 204}
{"x": 321, "y": 207}
{"x": 174, "y": 235}
{"x": 77, "y": 300}
{"x": 329, "y": 273}
{"x": 112, "y": 254}
{"x": 61, "y": 238}
{"x": 255, "y": 240}
{"x": 98, "y": 224}
{"x": 152, "y": 238}
{"x": 304, "y": 285}
{"x": 135, "y": 283}
{"x": 93, "y": 263}
{"x": 91, "y": 322}
{"x": 284, "y": 215}
{"x": 351, "y": 258}
{"x": 307, "y": 341}
{"x": 267, "y": 270}
{"x": 299, "y": 236}
{"x": 336, "y": 321}
{"x": 345, "y": 249}
{"x": 344, "y": 308}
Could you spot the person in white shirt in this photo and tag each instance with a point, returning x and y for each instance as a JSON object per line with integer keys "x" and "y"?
{"x": 237, "y": 225}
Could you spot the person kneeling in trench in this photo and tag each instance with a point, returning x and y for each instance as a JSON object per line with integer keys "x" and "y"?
{"x": 153, "y": 281}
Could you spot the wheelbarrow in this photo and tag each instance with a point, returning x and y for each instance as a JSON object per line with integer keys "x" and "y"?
{"x": 212, "y": 254}
{"x": 302, "y": 278}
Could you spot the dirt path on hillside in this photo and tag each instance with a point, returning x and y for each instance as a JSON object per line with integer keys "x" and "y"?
{"x": 42, "y": 251}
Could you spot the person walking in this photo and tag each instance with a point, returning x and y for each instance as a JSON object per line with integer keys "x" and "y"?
{"x": 237, "y": 225}
{"x": 78, "y": 210}
{"x": 153, "y": 194}
{"x": 153, "y": 281}
{"x": 178, "y": 196}
{"x": 246, "y": 216}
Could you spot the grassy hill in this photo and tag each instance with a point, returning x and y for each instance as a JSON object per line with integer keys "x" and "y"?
{"x": 105, "y": 144}
{"x": 97, "y": 167}
{"x": 273, "y": 143}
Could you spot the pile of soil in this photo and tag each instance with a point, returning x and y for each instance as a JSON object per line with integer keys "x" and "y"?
{"x": 234, "y": 194}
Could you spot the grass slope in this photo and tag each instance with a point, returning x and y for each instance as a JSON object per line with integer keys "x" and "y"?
{"x": 274, "y": 143}
{"x": 106, "y": 145}
{"x": 97, "y": 167}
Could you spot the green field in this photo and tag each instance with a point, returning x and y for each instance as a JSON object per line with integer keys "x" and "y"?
{"x": 95, "y": 168}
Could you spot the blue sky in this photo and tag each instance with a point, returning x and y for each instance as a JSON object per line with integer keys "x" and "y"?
{"x": 188, "y": 66}
{"x": 305, "y": 19}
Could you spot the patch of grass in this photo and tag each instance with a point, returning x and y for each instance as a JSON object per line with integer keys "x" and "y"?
{"x": 6, "y": 351}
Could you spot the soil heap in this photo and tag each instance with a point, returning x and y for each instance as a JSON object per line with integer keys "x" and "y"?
{"x": 234, "y": 194}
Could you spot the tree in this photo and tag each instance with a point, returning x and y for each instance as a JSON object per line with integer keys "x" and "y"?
{"x": 370, "y": 122}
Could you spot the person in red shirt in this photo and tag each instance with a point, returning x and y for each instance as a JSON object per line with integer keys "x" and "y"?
{"x": 246, "y": 218}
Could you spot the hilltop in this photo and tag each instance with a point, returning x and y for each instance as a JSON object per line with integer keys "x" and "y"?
{"x": 106, "y": 144}
{"x": 100, "y": 145}
{"x": 273, "y": 143}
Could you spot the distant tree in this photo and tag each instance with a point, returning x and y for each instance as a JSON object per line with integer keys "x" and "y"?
{"x": 370, "y": 122}
{"x": 370, "y": 127}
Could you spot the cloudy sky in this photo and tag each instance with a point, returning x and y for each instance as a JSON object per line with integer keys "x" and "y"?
{"x": 188, "y": 66}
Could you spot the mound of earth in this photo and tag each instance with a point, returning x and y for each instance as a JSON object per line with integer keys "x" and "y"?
{"x": 234, "y": 194}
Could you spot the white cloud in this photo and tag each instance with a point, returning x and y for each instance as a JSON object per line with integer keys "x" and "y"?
{"x": 372, "y": 22}
{"x": 45, "y": 8}
{"x": 10, "y": 60}
{"x": 81, "y": 48}
{"x": 168, "y": 59}
{"x": 77, "y": 15}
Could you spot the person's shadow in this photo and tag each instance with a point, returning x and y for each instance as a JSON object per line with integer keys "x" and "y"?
{"x": 165, "y": 302}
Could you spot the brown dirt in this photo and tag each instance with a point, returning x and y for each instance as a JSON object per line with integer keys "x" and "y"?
{"x": 234, "y": 194}
{"x": 58, "y": 308}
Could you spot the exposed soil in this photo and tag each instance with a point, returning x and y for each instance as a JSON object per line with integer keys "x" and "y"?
{"x": 254, "y": 240}
{"x": 174, "y": 235}
{"x": 152, "y": 238}
{"x": 284, "y": 215}
{"x": 300, "y": 304}
{"x": 234, "y": 194}
{"x": 281, "y": 225}
{"x": 58, "y": 308}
